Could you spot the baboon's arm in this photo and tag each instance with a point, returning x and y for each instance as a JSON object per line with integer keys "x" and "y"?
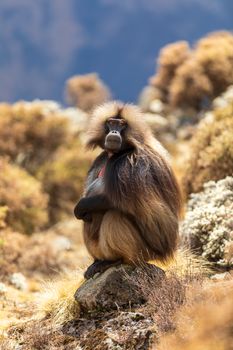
{"x": 88, "y": 205}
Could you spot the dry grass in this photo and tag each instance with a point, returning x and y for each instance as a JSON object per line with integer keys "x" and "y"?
{"x": 205, "y": 321}
{"x": 37, "y": 335}
{"x": 57, "y": 299}
{"x": 37, "y": 325}
{"x": 166, "y": 296}
{"x": 172, "y": 304}
{"x": 42, "y": 254}
{"x": 185, "y": 263}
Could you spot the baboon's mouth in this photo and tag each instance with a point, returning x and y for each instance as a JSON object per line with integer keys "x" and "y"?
{"x": 112, "y": 145}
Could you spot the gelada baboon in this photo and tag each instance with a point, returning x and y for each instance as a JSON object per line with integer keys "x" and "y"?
{"x": 131, "y": 202}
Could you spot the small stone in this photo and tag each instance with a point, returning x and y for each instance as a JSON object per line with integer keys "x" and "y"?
{"x": 156, "y": 106}
{"x": 3, "y": 288}
{"x": 221, "y": 276}
{"x": 61, "y": 243}
{"x": 19, "y": 281}
{"x": 117, "y": 287}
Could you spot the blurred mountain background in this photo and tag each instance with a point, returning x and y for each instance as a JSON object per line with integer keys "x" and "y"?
{"x": 44, "y": 42}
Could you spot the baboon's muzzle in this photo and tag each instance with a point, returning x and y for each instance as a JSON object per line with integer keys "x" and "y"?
{"x": 113, "y": 141}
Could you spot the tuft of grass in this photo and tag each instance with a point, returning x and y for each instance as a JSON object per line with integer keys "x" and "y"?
{"x": 57, "y": 302}
{"x": 185, "y": 263}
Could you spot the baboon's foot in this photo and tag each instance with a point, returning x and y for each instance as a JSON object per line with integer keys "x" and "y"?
{"x": 100, "y": 266}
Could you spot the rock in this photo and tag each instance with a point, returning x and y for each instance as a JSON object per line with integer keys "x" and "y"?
{"x": 3, "y": 288}
{"x": 121, "y": 286}
{"x": 156, "y": 121}
{"x": 61, "y": 243}
{"x": 186, "y": 132}
{"x": 114, "y": 330}
{"x": 225, "y": 276}
{"x": 19, "y": 281}
{"x": 224, "y": 99}
{"x": 156, "y": 106}
{"x": 148, "y": 94}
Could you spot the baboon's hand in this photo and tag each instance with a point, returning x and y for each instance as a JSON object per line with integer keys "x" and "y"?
{"x": 94, "y": 204}
{"x": 81, "y": 211}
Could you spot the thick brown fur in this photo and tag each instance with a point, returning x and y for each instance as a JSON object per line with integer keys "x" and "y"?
{"x": 142, "y": 188}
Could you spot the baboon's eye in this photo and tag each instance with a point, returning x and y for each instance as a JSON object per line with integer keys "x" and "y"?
{"x": 106, "y": 128}
{"x": 123, "y": 124}
{"x": 111, "y": 121}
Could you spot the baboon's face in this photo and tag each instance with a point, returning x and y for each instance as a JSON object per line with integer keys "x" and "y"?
{"x": 114, "y": 139}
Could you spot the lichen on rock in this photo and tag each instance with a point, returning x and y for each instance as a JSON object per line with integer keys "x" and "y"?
{"x": 117, "y": 287}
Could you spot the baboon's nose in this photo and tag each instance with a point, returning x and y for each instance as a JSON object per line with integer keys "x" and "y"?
{"x": 113, "y": 140}
{"x": 114, "y": 136}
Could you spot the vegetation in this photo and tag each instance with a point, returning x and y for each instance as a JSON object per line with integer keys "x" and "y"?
{"x": 193, "y": 77}
{"x": 63, "y": 178}
{"x": 23, "y": 197}
{"x": 207, "y": 226}
{"x": 86, "y": 91}
{"x": 170, "y": 58}
{"x": 43, "y": 176}
{"x": 204, "y": 321}
{"x": 211, "y": 151}
{"x": 3, "y": 211}
{"x": 30, "y": 133}
{"x": 43, "y": 165}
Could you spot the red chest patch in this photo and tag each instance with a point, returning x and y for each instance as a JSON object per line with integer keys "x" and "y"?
{"x": 102, "y": 171}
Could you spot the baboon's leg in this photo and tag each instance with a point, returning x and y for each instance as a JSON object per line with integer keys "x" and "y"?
{"x": 120, "y": 239}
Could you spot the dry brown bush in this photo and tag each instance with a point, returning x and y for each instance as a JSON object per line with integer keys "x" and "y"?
{"x": 205, "y": 320}
{"x": 40, "y": 255}
{"x": 190, "y": 85}
{"x": 165, "y": 297}
{"x": 170, "y": 58}
{"x": 40, "y": 138}
{"x": 30, "y": 133}
{"x": 211, "y": 151}
{"x": 63, "y": 179}
{"x": 3, "y": 212}
{"x": 86, "y": 91}
{"x": 214, "y": 53}
{"x": 193, "y": 77}
{"x": 11, "y": 247}
{"x": 23, "y": 196}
